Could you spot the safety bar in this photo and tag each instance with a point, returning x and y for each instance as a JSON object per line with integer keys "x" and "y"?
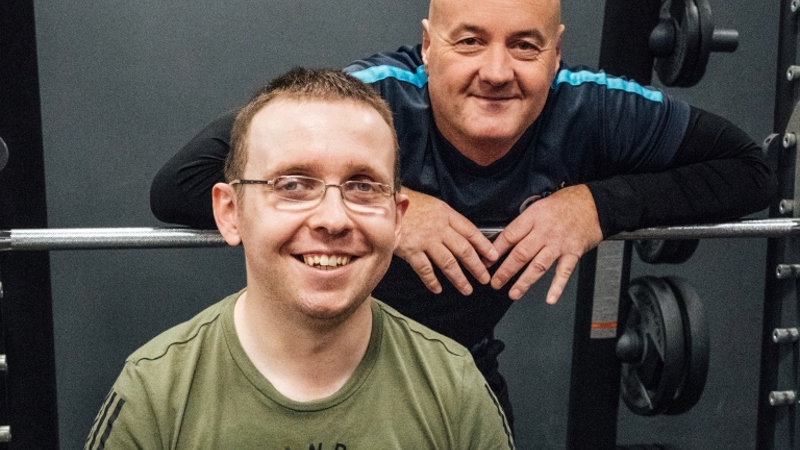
{"x": 132, "y": 238}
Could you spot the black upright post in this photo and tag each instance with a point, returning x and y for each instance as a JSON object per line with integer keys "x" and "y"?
{"x": 778, "y": 424}
{"x": 26, "y": 304}
{"x": 595, "y": 377}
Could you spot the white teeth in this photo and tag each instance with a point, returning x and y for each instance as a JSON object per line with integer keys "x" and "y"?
{"x": 326, "y": 260}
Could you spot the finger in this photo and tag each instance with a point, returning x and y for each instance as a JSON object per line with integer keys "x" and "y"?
{"x": 479, "y": 243}
{"x": 422, "y": 266}
{"x": 520, "y": 256}
{"x": 448, "y": 264}
{"x": 465, "y": 253}
{"x": 538, "y": 267}
{"x": 511, "y": 235}
{"x": 564, "y": 269}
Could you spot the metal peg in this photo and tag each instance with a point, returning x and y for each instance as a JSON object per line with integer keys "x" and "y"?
{"x": 786, "y": 206}
{"x": 793, "y": 73}
{"x": 5, "y": 433}
{"x": 784, "y": 271}
{"x": 785, "y": 335}
{"x": 790, "y": 139}
{"x": 782, "y": 398}
{"x": 3, "y": 154}
{"x": 794, "y": 5}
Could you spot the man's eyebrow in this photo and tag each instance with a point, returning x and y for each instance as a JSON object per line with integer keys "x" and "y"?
{"x": 315, "y": 169}
{"x": 534, "y": 34}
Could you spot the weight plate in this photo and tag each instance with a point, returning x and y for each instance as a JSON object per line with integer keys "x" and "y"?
{"x": 696, "y": 341}
{"x": 673, "y": 69}
{"x": 695, "y": 71}
{"x": 655, "y": 251}
{"x": 649, "y": 385}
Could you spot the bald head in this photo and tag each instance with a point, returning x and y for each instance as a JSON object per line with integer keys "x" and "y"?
{"x": 551, "y": 9}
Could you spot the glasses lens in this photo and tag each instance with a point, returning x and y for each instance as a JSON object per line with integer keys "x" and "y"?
{"x": 298, "y": 189}
{"x": 365, "y": 193}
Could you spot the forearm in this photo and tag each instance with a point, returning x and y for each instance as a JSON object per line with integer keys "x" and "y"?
{"x": 181, "y": 191}
{"x": 717, "y": 174}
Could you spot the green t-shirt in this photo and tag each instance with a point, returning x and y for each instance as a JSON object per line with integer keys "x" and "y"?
{"x": 193, "y": 387}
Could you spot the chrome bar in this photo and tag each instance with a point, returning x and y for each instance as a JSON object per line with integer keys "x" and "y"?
{"x": 768, "y": 228}
{"x": 132, "y": 238}
{"x": 107, "y": 238}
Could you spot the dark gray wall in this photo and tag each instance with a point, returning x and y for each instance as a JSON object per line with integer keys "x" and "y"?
{"x": 125, "y": 84}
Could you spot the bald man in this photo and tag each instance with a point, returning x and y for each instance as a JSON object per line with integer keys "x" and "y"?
{"x": 496, "y": 130}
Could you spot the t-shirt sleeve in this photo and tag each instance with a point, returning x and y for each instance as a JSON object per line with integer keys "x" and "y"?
{"x": 483, "y": 424}
{"x": 126, "y": 419}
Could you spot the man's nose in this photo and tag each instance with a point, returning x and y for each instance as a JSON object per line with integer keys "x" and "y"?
{"x": 496, "y": 68}
{"x": 331, "y": 214}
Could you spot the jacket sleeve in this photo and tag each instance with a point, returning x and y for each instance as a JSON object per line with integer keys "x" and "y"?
{"x": 718, "y": 174}
{"x": 181, "y": 190}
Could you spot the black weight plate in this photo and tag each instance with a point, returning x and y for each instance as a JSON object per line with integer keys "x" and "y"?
{"x": 655, "y": 251}
{"x": 695, "y": 72}
{"x": 696, "y": 341}
{"x": 648, "y": 386}
{"x": 672, "y": 70}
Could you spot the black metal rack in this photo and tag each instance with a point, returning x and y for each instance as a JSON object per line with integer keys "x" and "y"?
{"x": 778, "y": 425}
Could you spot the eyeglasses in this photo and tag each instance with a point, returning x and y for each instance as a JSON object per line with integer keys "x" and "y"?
{"x": 306, "y": 192}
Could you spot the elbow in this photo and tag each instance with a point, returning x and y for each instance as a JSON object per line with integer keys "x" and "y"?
{"x": 170, "y": 204}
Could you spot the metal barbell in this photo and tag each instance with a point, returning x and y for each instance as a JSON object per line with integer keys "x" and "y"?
{"x": 46, "y": 239}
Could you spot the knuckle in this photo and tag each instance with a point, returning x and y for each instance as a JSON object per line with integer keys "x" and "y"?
{"x": 539, "y": 266}
{"x": 512, "y": 235}
{"x": 425, "y": 271}
{"x": 449, "y": 264}
{"x": 521, "y": 256}
{"x": 566, "y": 270}
{"x": 464, "y": 251}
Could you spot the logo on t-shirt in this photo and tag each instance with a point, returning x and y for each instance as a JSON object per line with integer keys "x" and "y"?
{"x": 534, "y": 198}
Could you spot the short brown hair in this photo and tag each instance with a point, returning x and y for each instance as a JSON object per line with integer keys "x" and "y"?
{"x": 309, "y": 84}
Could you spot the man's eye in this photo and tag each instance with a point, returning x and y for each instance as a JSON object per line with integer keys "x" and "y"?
{"x": 293, "y": 185}
{"x": 363, "y": 186}
{"x": 526, "y": 50}
{"x": 468, "y": 41}
{"x": 526, "y": 46}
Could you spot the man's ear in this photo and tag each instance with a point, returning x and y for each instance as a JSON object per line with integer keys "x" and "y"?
{"x": 559, "y": 34}
{"x": 426, "y": 40}
{"x": 400, "y": 211}
{"x": 224, "y": 205}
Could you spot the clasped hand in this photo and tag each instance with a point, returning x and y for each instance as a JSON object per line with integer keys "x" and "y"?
{"x": 558, "y": 229}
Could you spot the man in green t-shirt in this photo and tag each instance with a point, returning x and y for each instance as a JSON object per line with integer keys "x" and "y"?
{"x": 304, "y": 358}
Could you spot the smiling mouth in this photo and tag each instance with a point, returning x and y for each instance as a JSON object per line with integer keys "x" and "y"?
{"x": 326, "y": 262}
{"x": 494, "y": 99}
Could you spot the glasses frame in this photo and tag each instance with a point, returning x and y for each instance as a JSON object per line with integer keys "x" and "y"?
{"x": 388, "y": 190}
